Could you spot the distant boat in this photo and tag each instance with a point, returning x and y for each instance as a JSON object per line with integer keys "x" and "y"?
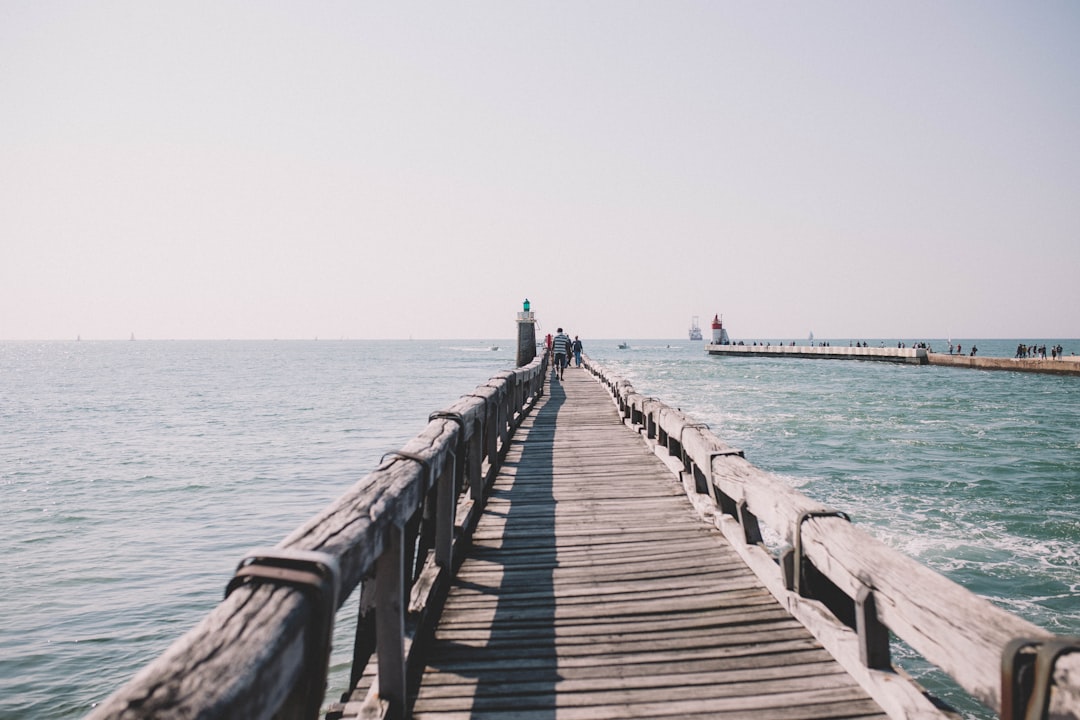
{"x": 494, "y": 347}
{"x": 132, "y": 336}
{"x": 624, "y": 346}
{"x": 695, "y": 329}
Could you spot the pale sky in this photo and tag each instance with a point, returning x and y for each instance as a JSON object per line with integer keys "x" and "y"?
{"x": 386, "y": 170}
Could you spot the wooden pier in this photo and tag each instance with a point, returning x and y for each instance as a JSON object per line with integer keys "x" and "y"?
{"x": 594, "y": 590}
{"x": 575, "y": 549}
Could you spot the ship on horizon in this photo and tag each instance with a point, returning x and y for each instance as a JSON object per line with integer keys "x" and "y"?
{"x": 695, "y": 328}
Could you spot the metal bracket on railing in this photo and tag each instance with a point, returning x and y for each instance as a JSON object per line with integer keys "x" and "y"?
{"x": 318, "y": 576}
{"x": 727, "y": 504}
{"x": 686, "y": 460}
{"x": 424, "y": 462}
{"x": 648, "y": 421}
{"x": 1017, "y": 676}
{"x": 682, "y": 451}
{"x": 447, "y": 415}
{"x": 696, "y": 426}
{"x": 797, "y": 570}
{"x": 407, "y": 456}
{"x": 1027, "y": 672}
{"x": 456, "y": 417}
{"x": 721, "y": 453}
{"x": 486, "y": 398}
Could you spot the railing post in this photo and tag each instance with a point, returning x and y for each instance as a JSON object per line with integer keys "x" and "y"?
{"x": 365, "y": 644}
{"x": 749, "y": 522}
{"x": 491, "y": 431}
{"x": 474, "y": 465}
{"x": 873, "y": 634}
{"x": 502, "y": 422}
{"x": 1027, "y": 675}
{"x": 446, "y": 505}
{"x": 390, "y": 622}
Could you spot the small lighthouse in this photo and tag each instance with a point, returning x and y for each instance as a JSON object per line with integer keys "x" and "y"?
{"x": 719, "y": 334}
{"x": 526, "y": 349}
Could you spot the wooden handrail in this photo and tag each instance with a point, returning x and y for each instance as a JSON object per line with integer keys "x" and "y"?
{"x": 958, "y": 631}
{"x": 246, "y": 658}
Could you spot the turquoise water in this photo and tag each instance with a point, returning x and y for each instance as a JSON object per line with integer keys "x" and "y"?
{"x": 134, "y": 475}
{"x": 976, "y": 474}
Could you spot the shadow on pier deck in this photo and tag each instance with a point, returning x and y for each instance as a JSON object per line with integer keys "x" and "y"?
{"x": 593, "y": 590}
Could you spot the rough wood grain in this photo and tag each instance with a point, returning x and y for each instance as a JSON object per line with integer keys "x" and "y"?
{"x": 592, "y": 589}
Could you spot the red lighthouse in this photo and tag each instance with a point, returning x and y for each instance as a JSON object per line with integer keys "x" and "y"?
{"x": 719, "y": 334}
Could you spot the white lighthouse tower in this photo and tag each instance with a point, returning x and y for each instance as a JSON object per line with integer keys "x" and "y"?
{"x": 526, "y": 349}
{"x": 719, "y": 334}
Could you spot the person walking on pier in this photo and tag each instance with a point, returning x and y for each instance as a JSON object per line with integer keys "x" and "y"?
{"x": 560, "y": 345}
{"x": 577, "y": 351}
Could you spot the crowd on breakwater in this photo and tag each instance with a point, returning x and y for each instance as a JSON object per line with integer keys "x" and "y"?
{"x": 1023, "y": 351}
{"x": 1039, "y": 351}
{"x": 827, "y": 343}
{"x": 960, "y": 350}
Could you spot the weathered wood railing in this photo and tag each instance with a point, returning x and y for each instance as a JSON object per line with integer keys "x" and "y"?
{"x": 263, "y": 651}
{"x": 851, "y": 590}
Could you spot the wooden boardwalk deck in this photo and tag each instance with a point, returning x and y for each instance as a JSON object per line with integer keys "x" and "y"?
{"x": 593, "y": 590}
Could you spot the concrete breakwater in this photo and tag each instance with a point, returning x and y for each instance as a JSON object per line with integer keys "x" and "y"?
{"x": 1063, "y": 366}
{"x": 914, "y": 356}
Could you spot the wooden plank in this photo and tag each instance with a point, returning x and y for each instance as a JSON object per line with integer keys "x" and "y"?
{"x": 794, "y": 661}
{"x": 592, "y": 589}
{"x": 812, "y": 703}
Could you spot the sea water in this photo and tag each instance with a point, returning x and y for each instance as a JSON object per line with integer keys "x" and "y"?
{"x": 975, "y": 474}
{"x": 134, "y": 475}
